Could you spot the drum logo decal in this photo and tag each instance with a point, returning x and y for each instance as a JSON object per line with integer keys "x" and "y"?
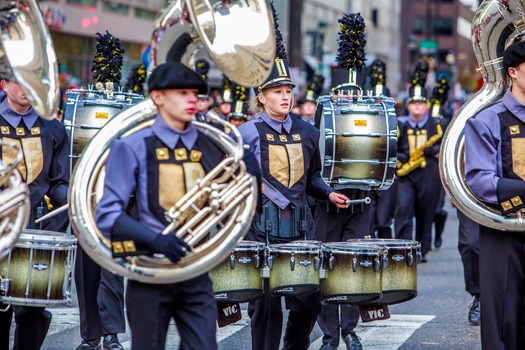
{"x": 245, "y": 260}
{"x": 221, "y": 295}
{"x": 40, "y": 266}
{"x": 360, "y": 122}
{"x": 305, "y": 262}
{"x": 365, "y": 263}
{"x": 398, "y": 257}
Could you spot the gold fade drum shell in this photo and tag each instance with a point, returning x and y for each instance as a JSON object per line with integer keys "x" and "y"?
{"x": 238, "y": 278}
{"x": 399, "y": 277}
{"x": 87, "y": 111}
{"x": 358, "y": 142}
{"x": 353, "y": 273}
{"x": 39, "y": 270}
{"x": 294, "y": 268}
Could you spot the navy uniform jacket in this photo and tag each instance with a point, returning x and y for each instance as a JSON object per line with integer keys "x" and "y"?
{"x": 288, "y": 152}
{"x": 494, "y": 157}
{"x": 159, "y": 165}
{"x": 45, "y": 145}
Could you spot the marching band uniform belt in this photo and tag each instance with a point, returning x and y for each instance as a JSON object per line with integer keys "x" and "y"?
{"x": 288, "y": 223}
{"x": 37, "y": 211}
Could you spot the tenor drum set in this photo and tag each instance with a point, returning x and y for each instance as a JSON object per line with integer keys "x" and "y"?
{"x": 356, "y": 272}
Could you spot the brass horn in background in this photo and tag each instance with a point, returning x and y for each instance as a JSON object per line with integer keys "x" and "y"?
{"x": 221, "y": 207}
{"x": 495, "y": 26}
{"x": 27, "y": 55}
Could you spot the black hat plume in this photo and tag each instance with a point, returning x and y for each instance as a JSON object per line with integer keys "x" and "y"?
{"x": 439, "y": 96}
{"x": 314, "y": 87}
{"x": 240, "y": 107}
{"x": 352, "y": 42}
{"x": 378, "y": 73}
{"x": 417, "y": 90}
{"x": 202, "y": 67}
{"x": 280, "y": 49}
{"x": 136, "y": 79}
{"x": 107, "y": 60}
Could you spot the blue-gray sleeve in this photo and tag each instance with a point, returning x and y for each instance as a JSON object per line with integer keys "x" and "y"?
{"x": 481, "y": 157}
{"x": 120, "y": 182}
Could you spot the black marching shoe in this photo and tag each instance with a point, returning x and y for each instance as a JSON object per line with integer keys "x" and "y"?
{"x": 327, "y": 347}
{"x": 93, "y": 344}
{"x": 474, "y": 312}
{"x": 111, "y": 342}
{"x": 352, "y": 341}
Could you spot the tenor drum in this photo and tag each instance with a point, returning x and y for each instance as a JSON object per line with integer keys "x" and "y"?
{"x": 238, "y": 278}
{"x": 87, "y": 111}
{"x": 294, "y": 268}
{"x": 399, "y": 277}
{"x": 358, "y": 142}
{"x": 353, "y": 273}
{"x": 39, "y": 270}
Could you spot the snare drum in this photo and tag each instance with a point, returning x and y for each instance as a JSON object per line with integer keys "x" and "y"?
{"x": 238, "y": 278}
{"x": 358, "y": 142}
{"x": 294, "y": 268}
{"x": 353, "y": 273}
{"x": 39, "y": 270}
{"x": 87, "y": 111}
{"x": 399, "y": 277}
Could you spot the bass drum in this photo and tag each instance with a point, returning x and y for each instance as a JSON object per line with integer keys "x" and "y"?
{"x": 358, "y": 141}
{"x": 87, "y": 111}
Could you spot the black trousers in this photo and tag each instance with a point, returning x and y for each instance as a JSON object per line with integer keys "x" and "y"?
{"x": 339, "y": 225}
{"x": 32, "y": 324}
{"x": 502, "y": 289}
{"x": 418, "y": 196}
{"x": 468, "y": 245}
{"x": 191, "y": 304}
{"x": 382, "y": 210}
{"x": 100, "y": 298}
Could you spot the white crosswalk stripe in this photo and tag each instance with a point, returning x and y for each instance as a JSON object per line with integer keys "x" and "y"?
{"x": 380, "y": 335}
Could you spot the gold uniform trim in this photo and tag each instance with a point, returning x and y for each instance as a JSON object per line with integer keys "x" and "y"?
{"x": 20, "y": 131}
{"x": 129, "y": 246}
{"x": 35, "y": 130}
{"x": 518, "y": 156}
{"x": 514, "y": 129}
{"x": 283, "y": 138}
{"x": 117, "y": 247}
{"x": 281, "y": 68}
{"x": 171, "y": 184}
{"x": 162, "y": 153}
{"x": 195, "y": 156}
{"x": 181, "y": 154}
{"x": 296, "y": 137}
{"x": 516, "y": 201}
{"x": 270, "y": 137}
{"x": 5, "y": 130}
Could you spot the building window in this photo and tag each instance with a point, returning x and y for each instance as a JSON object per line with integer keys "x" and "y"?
{"x": 110, "y": 6}
{"x": 146, "y": 14}
{"x": 83, "y": 2}
{"x": 442, "y": 26}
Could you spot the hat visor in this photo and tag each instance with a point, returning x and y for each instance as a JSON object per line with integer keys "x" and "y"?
{"x": 417, "y": 99}
{"x": 277, "y": 82}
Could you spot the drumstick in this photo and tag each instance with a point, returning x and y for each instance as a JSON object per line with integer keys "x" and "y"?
{"x": 52, "y": 213}
{"x": 365, "y": 200}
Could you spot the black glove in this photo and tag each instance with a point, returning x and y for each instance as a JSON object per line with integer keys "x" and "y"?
{"x": 173, "y": 247}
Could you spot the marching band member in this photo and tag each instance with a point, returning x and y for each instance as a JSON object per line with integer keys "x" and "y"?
{"x": 224, "y": 99}
{"x": 494, "y": 173}
{"x": 45, "y": 168}
{"x": 100, "y": 293}
{"x": 287, "y": 149}
{"x": 418, "y": 186}
{"x": 333, "y": 223}
{"x": 239, "y": 114}
{"x": 308, "y": 102}
{"x": 148, "y": 163}
{"x": 203, "y": 102}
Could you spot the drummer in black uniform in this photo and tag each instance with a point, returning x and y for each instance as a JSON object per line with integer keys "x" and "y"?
{"x": 288, "y": 151}
{"x": 45, "y": 169}
{"x": 418, "y": 186}
{"x": 308, "y": 102}
{"x": 202, "y": 67}
{"x": 334, "y": 224}
{"x": 100, "y": 293}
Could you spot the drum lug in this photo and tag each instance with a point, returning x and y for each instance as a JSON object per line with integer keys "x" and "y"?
{"x": 410, "y": 259}
{"x": 292, "y": 262}
{"x": 331, "y": 262}
{"x": 419, "y": 257}
{"x": 317, "y": 263}
{"x": 385, "y": 262}
{"x": 4, "y": 285}
{"x": 269, "y": 262}
{"x": 257, "y": 261}
{"x": 232, "y": 261}
{"x": 377, "y": 264}
{"x": 354, "y": 264}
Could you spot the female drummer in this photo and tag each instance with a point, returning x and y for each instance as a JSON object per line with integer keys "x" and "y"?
{"x": 288, "y": 151}
{"x": 45, "y": 168}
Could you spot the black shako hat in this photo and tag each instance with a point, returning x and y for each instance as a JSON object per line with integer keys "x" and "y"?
{"x": 175, "y": 75}
{"x": 280, "y": 74}
{"x": 514, "y": 55}
{"x": 417, "y": 91}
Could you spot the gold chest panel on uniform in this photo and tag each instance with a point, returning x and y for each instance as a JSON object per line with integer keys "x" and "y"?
{"x": 285, "y": 158}
{"x": 416, "y": 138}
{"x": 30, "y": 142}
